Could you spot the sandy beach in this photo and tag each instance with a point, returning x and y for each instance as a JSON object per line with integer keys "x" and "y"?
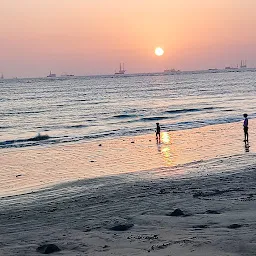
{"x": 218, "y": 215}
{"x": 118, "y": 197}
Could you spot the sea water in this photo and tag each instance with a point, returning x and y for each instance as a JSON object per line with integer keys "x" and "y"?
{"x": 78, "y": 109}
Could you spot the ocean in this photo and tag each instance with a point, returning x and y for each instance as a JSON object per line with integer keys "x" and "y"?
{"x": 86, "y": 108}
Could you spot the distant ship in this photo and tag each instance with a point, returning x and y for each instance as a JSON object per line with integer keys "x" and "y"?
{"x": 121, "y": 70}
{"x": 171, "y": 71}
{"x": 243, "y": 64}
{"x": 51, "y": 75}
{"x": 66, "y": 75}
{"x": 2, "y": 76}
{"x": 231, "y": 68}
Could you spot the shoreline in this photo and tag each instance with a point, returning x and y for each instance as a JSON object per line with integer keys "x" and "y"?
{"x": 219, "y": 215}
{"x": 42, "y": 167}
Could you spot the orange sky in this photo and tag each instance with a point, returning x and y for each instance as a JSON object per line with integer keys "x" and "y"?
{"x": 92, "y": 36}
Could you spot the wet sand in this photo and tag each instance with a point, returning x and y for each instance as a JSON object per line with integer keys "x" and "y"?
{"x": 207, "y": 173}
{"x": 26, "y": 170}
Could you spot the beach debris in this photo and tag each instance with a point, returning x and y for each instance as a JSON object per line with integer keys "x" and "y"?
{"x": 215, "y": 192}
{"x": 163, "y": 191}
{"x": 48, "y": 248}
{"x": 200, "y": 226}
{"x": 248, "y": 198}
{"x": 212, "y": 212}
{"x": 52, "y": 209}
{"x": 92, "y": 161}
{"x": 166, "y": 244}
{"x": 143, "y": 237}
{"x": 87, "y": 229}
{"x": 18, "y": 175}
{"x": 122, "y": 227}
{"x": 176, "y": 213}
{"x": 201, "y": 194}
{"x": 234, "y": 226}
{"x": 100, "y": 145}
{"x": 159, "y": 246}
{"x": 132, "y": 142}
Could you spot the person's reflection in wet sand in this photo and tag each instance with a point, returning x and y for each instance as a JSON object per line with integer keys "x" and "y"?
{"x": 247, "y": 147}
{"x": 158, "y": 145}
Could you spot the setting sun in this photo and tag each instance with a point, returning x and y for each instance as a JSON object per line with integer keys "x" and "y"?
{"x": 159, "y": 51}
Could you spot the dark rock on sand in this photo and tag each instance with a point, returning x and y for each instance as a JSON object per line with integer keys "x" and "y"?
{"x": 176, "y": 212}
{"x": 48, "y": 248}
{"x": 212, "y": 212}
{"x": 122, "y": 227}
{"x": 100, "y": 145}
{"x": 234, "y": 226}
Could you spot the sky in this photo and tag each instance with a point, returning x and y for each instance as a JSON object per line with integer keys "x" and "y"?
{"x": 86, "y": 37}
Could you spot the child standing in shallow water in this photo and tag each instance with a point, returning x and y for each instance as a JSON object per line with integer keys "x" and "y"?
{"x": 245, "y": 128}
{"x": 158, "y": 131}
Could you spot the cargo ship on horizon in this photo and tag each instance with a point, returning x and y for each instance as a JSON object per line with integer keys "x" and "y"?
{"x": 51, "y": 74}
{"x": 171, "y": 71}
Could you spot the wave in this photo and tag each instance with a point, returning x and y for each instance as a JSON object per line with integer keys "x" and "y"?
{"x": 76, "y": 126}
{"x": 81, "y": 100}
{"x": 39, "y": 137}
{"x": 154, "y": 118}
{"x": 14, "y": 143}
{"x": 5, "y": 127}
{"x": 177, "y": 111}
{"x": 97, "y": 102}
{"x": 23, "y": 112}
{"x": 124, "y": 116}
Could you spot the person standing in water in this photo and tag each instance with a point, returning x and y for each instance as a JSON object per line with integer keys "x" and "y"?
{"x": 246, "y": 128}
{"x": 158, "y": 131}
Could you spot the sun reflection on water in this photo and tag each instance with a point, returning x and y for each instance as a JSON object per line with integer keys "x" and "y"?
{"x": 166, "y": 152}
{"x": 166, "y": 149}
{"x": 165, "y": 138}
